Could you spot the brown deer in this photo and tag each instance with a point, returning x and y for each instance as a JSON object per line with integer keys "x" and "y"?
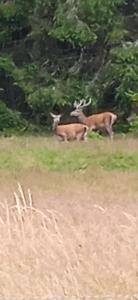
{"x": 69, "y": 132}
{"x": 99, "y": 121}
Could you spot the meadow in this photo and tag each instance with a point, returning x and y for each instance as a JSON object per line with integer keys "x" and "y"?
{"x": 68, "y": 219}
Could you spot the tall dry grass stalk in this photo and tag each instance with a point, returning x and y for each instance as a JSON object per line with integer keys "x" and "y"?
{"x": 44, "y": 255}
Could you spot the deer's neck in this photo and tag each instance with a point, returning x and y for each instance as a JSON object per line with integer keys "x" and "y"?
{"x": 82, "y": 118}
{"x": 55, "y": 124}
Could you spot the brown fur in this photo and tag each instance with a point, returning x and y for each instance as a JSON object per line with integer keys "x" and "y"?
{"x": 69, "y": 131}
{"x": 101, "y": 121}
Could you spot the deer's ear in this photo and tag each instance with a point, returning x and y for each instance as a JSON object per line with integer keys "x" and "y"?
{"x": 52, "y": 115}
{"x": 55, "y": 116}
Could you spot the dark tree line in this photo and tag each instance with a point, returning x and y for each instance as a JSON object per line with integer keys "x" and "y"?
{"x": 53, "y": 52}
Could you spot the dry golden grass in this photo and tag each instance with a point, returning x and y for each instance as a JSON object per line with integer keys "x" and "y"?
{"x": 69, "y": 234}
{"x": 85, "y": 250}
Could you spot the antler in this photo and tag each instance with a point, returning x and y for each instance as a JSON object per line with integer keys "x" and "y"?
{"x": 82, "y": 103}
{"x": 78, "y": 104}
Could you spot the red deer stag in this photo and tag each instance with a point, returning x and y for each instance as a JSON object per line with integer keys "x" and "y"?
{"x": 100, "y": 121}
{"x": 69, "y": 131}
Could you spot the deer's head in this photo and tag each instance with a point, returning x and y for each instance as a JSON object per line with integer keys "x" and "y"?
{"x": 79, "y": 107}
{"x": 56, "y": 120}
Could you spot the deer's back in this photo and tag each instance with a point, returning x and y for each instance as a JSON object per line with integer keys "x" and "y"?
{"x": 101, "y": 119}
{"x": 70, "y": 130}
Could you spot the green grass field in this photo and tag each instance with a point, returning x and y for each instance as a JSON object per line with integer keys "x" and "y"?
{"x": 68, "y": 218}
{"x": 46, "y": 153}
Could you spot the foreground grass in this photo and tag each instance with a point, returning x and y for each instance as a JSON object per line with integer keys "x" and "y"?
{"x": 24, "y": 153}
{"x": 54, "y": 255}
{"x": 77, "y": 235}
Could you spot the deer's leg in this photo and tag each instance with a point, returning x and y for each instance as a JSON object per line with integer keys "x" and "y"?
{"x": 78, "y": 137}
{"x": 63, "y": 138}
{"x": 109, "y": 131}
{"x": 84, "y": 137}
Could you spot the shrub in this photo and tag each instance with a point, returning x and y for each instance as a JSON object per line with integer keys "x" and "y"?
{"x": 9, "y": 119}
{"x": 134, "y": 126}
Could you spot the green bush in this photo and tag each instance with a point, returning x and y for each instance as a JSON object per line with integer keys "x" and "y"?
{"x": 122, "y": 127}
{"x": 9, "y": 119}
{"x": 94, "y": 135}
{"x": 119, "y": 81}
{"x": 134, "y": 126}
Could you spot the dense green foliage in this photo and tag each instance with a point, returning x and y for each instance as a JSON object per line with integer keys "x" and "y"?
{"x": 9, "y": 119}
{"x": 53, "y": 52}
